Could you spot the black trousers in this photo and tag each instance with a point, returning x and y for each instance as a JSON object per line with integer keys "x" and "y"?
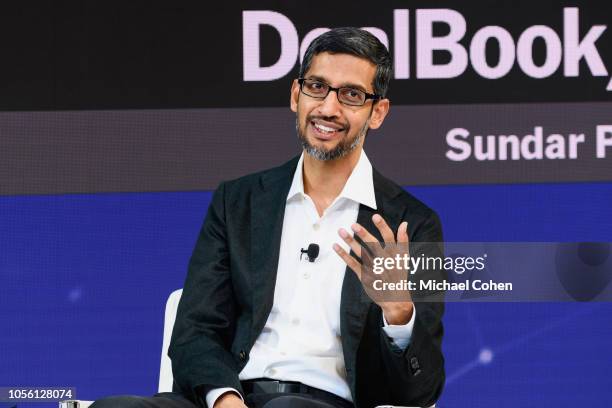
{"x": 254, "y": 400}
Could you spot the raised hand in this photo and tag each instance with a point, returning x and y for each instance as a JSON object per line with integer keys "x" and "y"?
{"x": 399, "y": 307}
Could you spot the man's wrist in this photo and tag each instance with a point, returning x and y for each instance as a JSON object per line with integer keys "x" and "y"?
{"x": 229, "y": 397}
{"x": 214, "y": 396}
{"x": 398, "y": 313}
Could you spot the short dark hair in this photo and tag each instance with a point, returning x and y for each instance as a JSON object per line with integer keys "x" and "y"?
{"x": 357, "y": 42}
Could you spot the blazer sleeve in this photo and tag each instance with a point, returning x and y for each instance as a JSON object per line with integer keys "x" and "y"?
{"x": 205, "y": 323}
{"x": 415, "y": 375}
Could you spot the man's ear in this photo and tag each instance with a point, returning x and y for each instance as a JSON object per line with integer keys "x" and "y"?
{"x": 379, "y": 113}
{"x": 295, "y": 94}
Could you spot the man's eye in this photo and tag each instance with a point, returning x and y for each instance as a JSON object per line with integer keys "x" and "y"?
{"x": 316, "y": 85}
{"x": 353, "y": 94}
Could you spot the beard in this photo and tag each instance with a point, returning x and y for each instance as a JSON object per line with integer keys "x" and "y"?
{"x": 346, "y": 145}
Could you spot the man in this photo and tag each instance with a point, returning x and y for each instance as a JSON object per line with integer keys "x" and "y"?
{"x": 263, "y": 324}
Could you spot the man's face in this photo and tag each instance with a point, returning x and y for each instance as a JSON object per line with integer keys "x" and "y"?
{"x": 328, "y": 129}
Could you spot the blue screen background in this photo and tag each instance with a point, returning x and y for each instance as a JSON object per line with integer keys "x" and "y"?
{"x": 85, "y": 279}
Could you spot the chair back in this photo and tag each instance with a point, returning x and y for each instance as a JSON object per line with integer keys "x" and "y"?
{"x": 165, "y": 369}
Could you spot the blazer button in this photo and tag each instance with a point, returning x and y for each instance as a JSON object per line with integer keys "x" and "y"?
{"x": 414, "y": 363}
{"x": 242, "y": 355}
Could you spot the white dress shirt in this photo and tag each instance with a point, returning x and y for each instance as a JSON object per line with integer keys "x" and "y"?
{"x": 301, "y": 338}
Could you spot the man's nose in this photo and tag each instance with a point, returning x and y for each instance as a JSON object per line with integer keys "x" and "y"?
{"x": 330, "y": 106}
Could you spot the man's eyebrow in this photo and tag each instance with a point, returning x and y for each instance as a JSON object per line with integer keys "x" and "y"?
{"x": 343, "y": 85}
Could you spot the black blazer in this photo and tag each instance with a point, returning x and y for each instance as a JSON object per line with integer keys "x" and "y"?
{"x": 229, "y": 290}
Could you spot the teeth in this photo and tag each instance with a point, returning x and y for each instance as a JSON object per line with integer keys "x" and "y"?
{"x": 324, "y": 128}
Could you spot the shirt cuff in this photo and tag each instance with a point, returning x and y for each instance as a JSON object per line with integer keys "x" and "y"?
{"x": 214, "y": 394}
{"x": 400, "y": 334}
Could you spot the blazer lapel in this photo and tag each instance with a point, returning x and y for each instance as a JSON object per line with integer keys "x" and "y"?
{"x": 354, "y": 305}
{"x": 267, "y": 214}
{"x": 355, "y": 302}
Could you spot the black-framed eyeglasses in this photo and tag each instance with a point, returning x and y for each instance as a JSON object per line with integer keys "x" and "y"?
{"x": 348, "y": 96}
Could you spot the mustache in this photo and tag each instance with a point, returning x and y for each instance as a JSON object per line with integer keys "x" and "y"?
{"x": 330, "y": 119}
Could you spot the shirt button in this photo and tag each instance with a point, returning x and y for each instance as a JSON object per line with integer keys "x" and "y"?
{"x": 283, "y": 353}
{"x": 270, "y": 372}
{"x": 295, "y": 321}
{"x": 306, "y": 275}
{"x": 316, "y": 226}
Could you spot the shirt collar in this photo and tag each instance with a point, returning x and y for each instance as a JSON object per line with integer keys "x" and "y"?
{"x": 359, "y": 187}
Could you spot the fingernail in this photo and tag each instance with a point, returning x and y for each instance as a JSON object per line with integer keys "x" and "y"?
{"x": 343, "y": 233}
{"x": 356, "y": 227}
{"x": 376, "y": 218}
{"x": 336, "y": 247}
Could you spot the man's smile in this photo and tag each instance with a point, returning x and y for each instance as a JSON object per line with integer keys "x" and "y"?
{"x": 325, "y": 130}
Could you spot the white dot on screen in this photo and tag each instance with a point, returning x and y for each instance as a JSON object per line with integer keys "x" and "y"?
{"x": 485, "y": 356}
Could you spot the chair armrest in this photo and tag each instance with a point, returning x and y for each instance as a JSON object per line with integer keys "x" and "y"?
{"x": 75, "y": 404}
